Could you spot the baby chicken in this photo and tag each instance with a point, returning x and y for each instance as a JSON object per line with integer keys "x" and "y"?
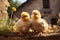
{"x": 23, "y": 23}
{"x": 38, "y": 24}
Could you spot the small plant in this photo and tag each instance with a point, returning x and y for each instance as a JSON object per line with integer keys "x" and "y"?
{"x": 3, "y": 26}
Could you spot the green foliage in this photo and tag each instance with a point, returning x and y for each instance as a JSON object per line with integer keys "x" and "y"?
{"x": 6, "y": 27}
{"x": 13, "y": 4}
{"x": 3, "y": 26}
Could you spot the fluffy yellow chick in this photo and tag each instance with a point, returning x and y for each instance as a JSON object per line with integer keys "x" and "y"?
{"x": 38, "y": 24}
{"x": 23, "y": 23}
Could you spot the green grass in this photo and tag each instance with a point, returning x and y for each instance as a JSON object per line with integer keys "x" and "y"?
{"x": 6, "y": 27}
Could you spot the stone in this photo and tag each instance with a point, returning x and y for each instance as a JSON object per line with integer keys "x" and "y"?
{"x": 4, "y": 4}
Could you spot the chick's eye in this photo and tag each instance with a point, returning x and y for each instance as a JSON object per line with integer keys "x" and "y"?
{"x": 24, "y": 16}
{"x": 35, "y": 14}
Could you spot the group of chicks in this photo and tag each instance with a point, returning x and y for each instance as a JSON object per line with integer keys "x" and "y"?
{"x": 33, "y": 24}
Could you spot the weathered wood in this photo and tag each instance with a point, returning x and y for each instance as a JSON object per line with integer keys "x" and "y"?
{"x": 44, "y": 36}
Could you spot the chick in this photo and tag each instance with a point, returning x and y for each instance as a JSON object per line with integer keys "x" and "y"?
{"x": 38, "y": 24}
{"x": 58, "y": 22}
{"x": 23, "y": 24}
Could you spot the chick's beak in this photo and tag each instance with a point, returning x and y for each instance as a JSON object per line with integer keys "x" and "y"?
{"x": 26, "y": 18}
{"x": 36, "y": 16}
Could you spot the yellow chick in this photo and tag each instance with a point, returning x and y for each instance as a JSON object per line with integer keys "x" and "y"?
{"x": 38, "y": 24}
{"x": 58, "y": 22}
{"x": 23, "y": 24}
